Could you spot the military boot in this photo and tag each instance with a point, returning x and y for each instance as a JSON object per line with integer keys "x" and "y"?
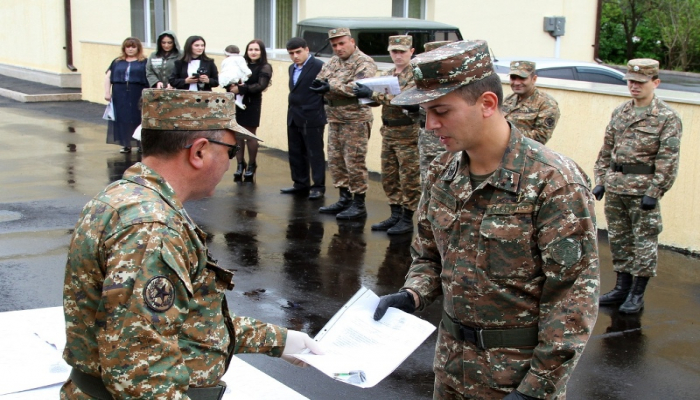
{"x": 635, "y": 300}
{"x": 357, "y": 209}
{"x": 619, "y": 292}
{"x": 341, "y": 205}
{"x": 405, "y": 225}
{"x": 391, "y": 221}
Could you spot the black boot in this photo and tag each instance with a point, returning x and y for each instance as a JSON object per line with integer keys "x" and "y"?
{"x": 391, "y": 221}
{"x": 249, "y": 174}
{"x": 405, "y": 225}
{"x": 341, "y": 205}
{"x": 635, "y": 300}
{"x": 619, "y": 292}
{"x": 239, "y": 171}
{"x": 357, "y": 209}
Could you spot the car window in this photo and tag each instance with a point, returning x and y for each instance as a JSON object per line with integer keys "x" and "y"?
{"x": 598, "y": 75}
{"x": 318, "y": 43}
{"x": 557, "y": 73}
{"x": 375, "y": 43}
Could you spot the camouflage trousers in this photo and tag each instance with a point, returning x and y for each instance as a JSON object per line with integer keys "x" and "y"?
{"x": 429, "y": 146}
{"x": 633, "y": 234}
{"x": 347, "y": 150}
{"x": 400, "y": 176}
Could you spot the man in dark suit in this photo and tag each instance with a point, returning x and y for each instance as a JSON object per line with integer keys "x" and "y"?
{"x": 306, "y": 120}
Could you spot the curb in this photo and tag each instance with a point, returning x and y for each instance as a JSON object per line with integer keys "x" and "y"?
{"x": 36, "y": 98}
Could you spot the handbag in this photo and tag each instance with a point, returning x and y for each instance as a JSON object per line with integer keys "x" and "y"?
{"x": 109, "y": 112}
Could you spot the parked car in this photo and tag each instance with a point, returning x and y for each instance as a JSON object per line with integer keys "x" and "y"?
{"x": 371, "y": 34}
{"x": 567, "y": 69}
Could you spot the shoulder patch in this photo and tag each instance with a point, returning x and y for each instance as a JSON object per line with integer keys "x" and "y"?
{"x": 567, "y": 252}
{"x": 159, "y": 294}
{"x": 549, "y": 122}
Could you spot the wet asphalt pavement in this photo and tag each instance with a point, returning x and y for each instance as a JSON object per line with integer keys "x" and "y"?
{"x": 296, "y": 267}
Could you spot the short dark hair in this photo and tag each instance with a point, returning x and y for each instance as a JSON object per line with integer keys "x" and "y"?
{"x": 232, "y": 48}
{"x": 168, "y": 143}
{"x": 296, "y": 43}
{"x": 474, "y": 90}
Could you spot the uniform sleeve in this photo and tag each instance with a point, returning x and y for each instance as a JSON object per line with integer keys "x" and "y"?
{"x": 138, "y": 345}
{"x": 566, "y": 236}
{"x": 602, "y": 164}
{"x": 253, "y": 336}
{"x": 545, "y": 122}
{"x": 667, "y": 158}
{"x": 343, "y": 87}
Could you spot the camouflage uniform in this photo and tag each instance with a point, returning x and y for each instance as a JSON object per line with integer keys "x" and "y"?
{"x": 538, "y": 114}
{"x": 650, "y": 139}
{"x": 517, "y": 253}
{"x": 349, "y": 123}
{"x": 400, "y": 163}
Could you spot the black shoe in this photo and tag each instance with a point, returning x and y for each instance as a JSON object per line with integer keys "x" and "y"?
{"x": 239, "y": 171}
{"x": 393, "y": 219}
{"x": 619, "y": 292}
{"x": 357, "y": 210}
{"x": 635, "y": 300}
{"x": 341, "y": 205}
{"x": 293, "y": 190}
{"x": 125, "y": 150}
{"x": 249, "y": 174}
{"x": 405, "y": 225}
{"x": 315, "y": 194}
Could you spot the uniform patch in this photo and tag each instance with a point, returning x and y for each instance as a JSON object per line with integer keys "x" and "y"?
{"x": 549, "y": 122}
{"x": 567, "y": 252}
{"x": 159, "y": 294}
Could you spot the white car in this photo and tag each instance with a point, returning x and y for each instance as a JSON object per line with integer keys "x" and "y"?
{"x": 566, "y": 69}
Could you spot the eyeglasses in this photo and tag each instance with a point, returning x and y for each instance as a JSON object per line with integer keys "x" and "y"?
{"x": 232, "y": 148}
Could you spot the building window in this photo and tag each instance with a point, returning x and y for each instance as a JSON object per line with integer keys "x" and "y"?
{"x": 408, "y": 8}
{"x": 149, "y": 18}
{"x": 275, "y": 21}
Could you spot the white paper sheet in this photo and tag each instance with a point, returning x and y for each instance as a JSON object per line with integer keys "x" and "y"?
{"x": 353, "y": 341}
{"x": 381, "y": 84}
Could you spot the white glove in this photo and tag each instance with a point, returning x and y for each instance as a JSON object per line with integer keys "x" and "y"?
{"x": 297, "y": 342}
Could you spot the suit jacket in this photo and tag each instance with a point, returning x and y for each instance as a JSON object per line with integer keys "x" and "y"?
{"x": 305, "y": 107}
{"x": 177, "y": 78}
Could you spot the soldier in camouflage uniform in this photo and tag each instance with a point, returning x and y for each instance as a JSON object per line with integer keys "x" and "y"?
{"x": 428, "y": 144}
{"x": 400, "y": 162}
{"x": 144, "y": 303}
{"x": 533, "y": 112}
{"x": 349, "y": 123}
{"x": 506, "y": 234}
{"x": 636, "y": 166}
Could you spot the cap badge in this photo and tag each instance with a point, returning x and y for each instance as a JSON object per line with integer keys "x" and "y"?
{"x": 397, "y": 40}
{"x": 334, "y": 31}
{"x": 417, "y": 73}
{"x": 636, "y": 68}
{"x": 517, "y": 64}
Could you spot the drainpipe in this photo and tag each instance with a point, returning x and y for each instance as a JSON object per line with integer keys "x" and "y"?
{"x": 596, "y": 45}
{"x": 69, "y": 36}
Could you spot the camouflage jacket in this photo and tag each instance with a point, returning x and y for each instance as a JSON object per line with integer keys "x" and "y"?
{"x": 144, "y": 302}
{"x": 652, "y": 138}
{"x": 536, "y": 116}
{"x": 520, "y": 250}
{"x": 341, "y": 74}
{"x": 391, "y": 113}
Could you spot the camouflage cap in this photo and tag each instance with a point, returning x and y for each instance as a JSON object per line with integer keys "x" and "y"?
{"x": 434, "y": 45}
{"x": 641, "y": 69}
{"x": 522, "y": 69}
{"x": 445, "y": 69}
{"x": 400, "y": 42}
{"x": 183, "y": 110}
{"x": 338, "y": 32}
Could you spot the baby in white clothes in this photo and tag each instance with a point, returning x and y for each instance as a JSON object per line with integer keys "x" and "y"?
{"x": 234, "y": 70}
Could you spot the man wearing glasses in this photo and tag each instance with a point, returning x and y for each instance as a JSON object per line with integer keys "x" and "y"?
{"x": 144, "y": 301}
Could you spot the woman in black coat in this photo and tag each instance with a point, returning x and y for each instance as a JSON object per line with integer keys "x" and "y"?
{"x": 195, "y": 71}
{"x": 249, "y": 118}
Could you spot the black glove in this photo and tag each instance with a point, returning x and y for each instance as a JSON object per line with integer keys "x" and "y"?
{"x": 598, "y": 192}
{"x": 515, "y": 395}
{"x": 320, "y": 86}
{"x": 401, "y": 300}
{"x": 362, "y": 91}
{"x": 648, "y": 203}
{"x": 412, "y": 108}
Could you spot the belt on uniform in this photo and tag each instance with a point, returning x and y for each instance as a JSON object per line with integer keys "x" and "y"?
{"x": 398, "y": 122}
{"x": 96, "y": 388}
{"x": 491, "y": 338}
{"x": 641, "y": 169}
{"x": 347, "y": 101}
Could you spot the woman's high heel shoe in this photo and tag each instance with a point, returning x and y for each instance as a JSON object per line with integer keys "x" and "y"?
{"x": 249, "y": 175}
{"x": 239, "y": 171}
